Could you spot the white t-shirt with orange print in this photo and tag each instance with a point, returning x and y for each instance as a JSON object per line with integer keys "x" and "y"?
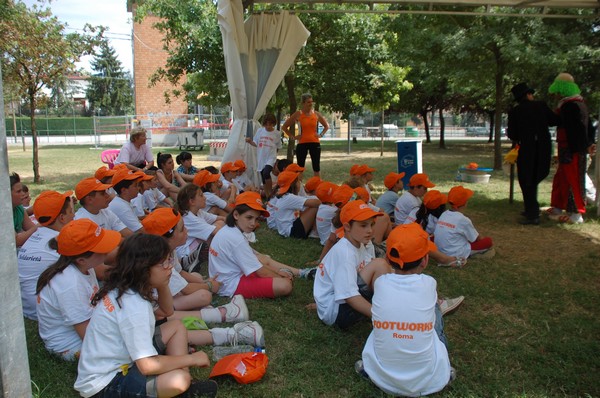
{"x": 403, "y": 354}
{"x": 117, "y": 335}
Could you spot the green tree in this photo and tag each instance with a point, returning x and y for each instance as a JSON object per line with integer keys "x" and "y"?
{"x": 37, "y": 53}
{"x": 110, "y": 91}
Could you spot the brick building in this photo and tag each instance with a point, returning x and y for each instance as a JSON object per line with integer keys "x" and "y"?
{"x": 148, "y": 55}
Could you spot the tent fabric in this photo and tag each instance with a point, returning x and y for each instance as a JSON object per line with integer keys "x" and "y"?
{"x": 258, "y": 53}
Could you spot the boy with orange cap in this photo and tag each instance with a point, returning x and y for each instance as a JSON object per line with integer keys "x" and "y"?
{"x": 94, "y": 198}
{"x": 387, "y": 201}
{"x": 344, "y": 281}
{"x": 406, "y": 352}
{"x": 127, "y": 185}
{"x": 417, "y": 187}
{"x": 53, "y": 210}
{"x": 455, "y": 234}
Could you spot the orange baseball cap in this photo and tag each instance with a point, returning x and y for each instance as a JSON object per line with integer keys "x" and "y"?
{"x": 420, "y": 179}
{"x": 104, "y": 172}
{"x": 312, "y": 183}
{"x": 362, "y": 193}
{"x": 364, "y": 169}
{"x": 84, "y": 235}
{"x": 392, "y": 178}
{"x": 295, "y": 168}
{"x": 245, "y": 368}
{"x": 357, "y": 210}
{"x": 49, "y": 204}
{"x": 204, "y": 177}
{"x": 161, "y": 221}
{"x": 123, "y": 174}
{"x": 285, "y": 179}
{"x": 229, "y": 166}
{"x": 325, "y": 191}
{"x": 144, "y": 176}
{"x": 252, "y": 200}
{"x": 458, "y": 196}
{"x": 434, "y": 199}
{"x": 410, "y": 242}
{"x": 354, "y": 169}
{"x": 89, "y": 185}
{"x": 343, "y": 195}
{"x": 240, "y": 165}
{"x": 120, "y": 166}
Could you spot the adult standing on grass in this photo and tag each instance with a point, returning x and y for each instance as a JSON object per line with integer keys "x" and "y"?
{"x": 575, "y": 139}
{"x": 135, "y": 154}
{"x": 528, "y": 127}
{"x": 308, "y": 138}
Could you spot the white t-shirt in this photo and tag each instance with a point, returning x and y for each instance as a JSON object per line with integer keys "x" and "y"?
{"x": 431, "y": 220}
{"x": 404, "y": 205}
{"x": 117, "y": 335}
{"x": 272, "y": 209}
{"x": 230, "y": 256}
{"x": 105, "y": 219}
{"x": 152, "y": 197}
{"x": 138, "y": 203}
{"x": 62, "y": 303}
{"x": 387, "y": 201}
{"x": 242, "y": 182}
{"x": 335, "y": 280}
{"x": 199, "y": 228}
{"x": 267, "y": 144}
{"x": 33, "y": 259}
{"x": 130, "y": 154}
{"x": 403, "y": 354}
{"x": 323, "y": 220}
{"x": 454, "y": 233}
{"x": 289, "y": 207}
{"x": 126, "y": 212}
{"x": 176, "y": 282}
{"x": 213, "y": 200}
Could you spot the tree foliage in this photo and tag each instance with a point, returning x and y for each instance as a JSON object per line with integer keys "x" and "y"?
{"x": 37, "y": 53}
{"x": 110, "y": 91}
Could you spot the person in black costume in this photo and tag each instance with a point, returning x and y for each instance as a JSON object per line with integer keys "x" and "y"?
{"x": 528, "y": 124}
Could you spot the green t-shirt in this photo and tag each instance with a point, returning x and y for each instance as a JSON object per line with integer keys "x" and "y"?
{"x": 18, "y": 217}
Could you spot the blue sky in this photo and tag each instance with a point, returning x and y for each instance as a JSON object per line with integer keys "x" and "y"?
{"x": 110, "y": 13}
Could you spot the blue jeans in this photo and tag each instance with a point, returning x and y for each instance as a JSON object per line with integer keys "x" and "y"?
{"x": 439, "y": 325}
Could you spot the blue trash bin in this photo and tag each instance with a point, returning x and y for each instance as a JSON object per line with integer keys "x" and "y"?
{"x": 410, "y": 154}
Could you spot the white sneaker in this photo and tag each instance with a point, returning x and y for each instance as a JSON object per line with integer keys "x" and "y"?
{"x": 248, "y": 332}
{"x": 448, "y": 304}
{"x": 237, "y": 310}
{"x": 575, "y": 218}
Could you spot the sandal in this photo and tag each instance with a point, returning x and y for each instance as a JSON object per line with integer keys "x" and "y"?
{"x": 564, "y": 219}
{"x": 552, "y": 211}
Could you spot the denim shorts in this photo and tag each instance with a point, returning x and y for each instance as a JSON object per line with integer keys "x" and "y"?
{"x": 348, "y": 316}
{"x": 134, "y": 384}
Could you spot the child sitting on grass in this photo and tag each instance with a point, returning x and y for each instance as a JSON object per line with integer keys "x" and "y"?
{"x": 455, "y": 234}
{"x": 238, "y": 268}
{"x": 64, "y": 289}
{"x": 387, "y": 201}
{"x": 295, "y": 214}
{"x": 406, "y": 352}
{"x": 209, "y": 183}
{"x": 344, "y": 280}
{"x": 411, "y": 199}
{"x": 124, "y": 353}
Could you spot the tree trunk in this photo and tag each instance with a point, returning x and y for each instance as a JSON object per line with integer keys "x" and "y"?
{"x": 491, "y": 115}
{"x": 498, "y": 113}
{"x": 423, "y": 113}
{"x": 36, "y": 162}
{"x": 290, "y": 83}
{"x": 442, "y": 125}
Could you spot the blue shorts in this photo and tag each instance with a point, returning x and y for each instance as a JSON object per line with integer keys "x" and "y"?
{"x": 348, "y": 316}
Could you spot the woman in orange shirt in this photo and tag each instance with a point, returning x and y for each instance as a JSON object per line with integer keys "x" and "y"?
{"x": 308, "y": 119}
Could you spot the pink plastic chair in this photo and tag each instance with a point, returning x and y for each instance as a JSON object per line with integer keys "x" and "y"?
{"x": 109, "y": 157}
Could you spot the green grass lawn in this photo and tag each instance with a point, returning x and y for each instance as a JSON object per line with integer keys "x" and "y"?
{"x": 529, "y": 326}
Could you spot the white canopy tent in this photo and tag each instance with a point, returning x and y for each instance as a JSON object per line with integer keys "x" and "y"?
{"x": 258, "y": 54}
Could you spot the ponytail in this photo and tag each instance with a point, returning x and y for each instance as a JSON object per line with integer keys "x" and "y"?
{"x": 58, "y": 267}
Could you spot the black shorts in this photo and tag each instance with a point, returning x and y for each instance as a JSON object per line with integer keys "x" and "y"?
{"x": 265, "y": 173}
{"x": 348, "y": 316}
{"x": 298, "y": 230}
